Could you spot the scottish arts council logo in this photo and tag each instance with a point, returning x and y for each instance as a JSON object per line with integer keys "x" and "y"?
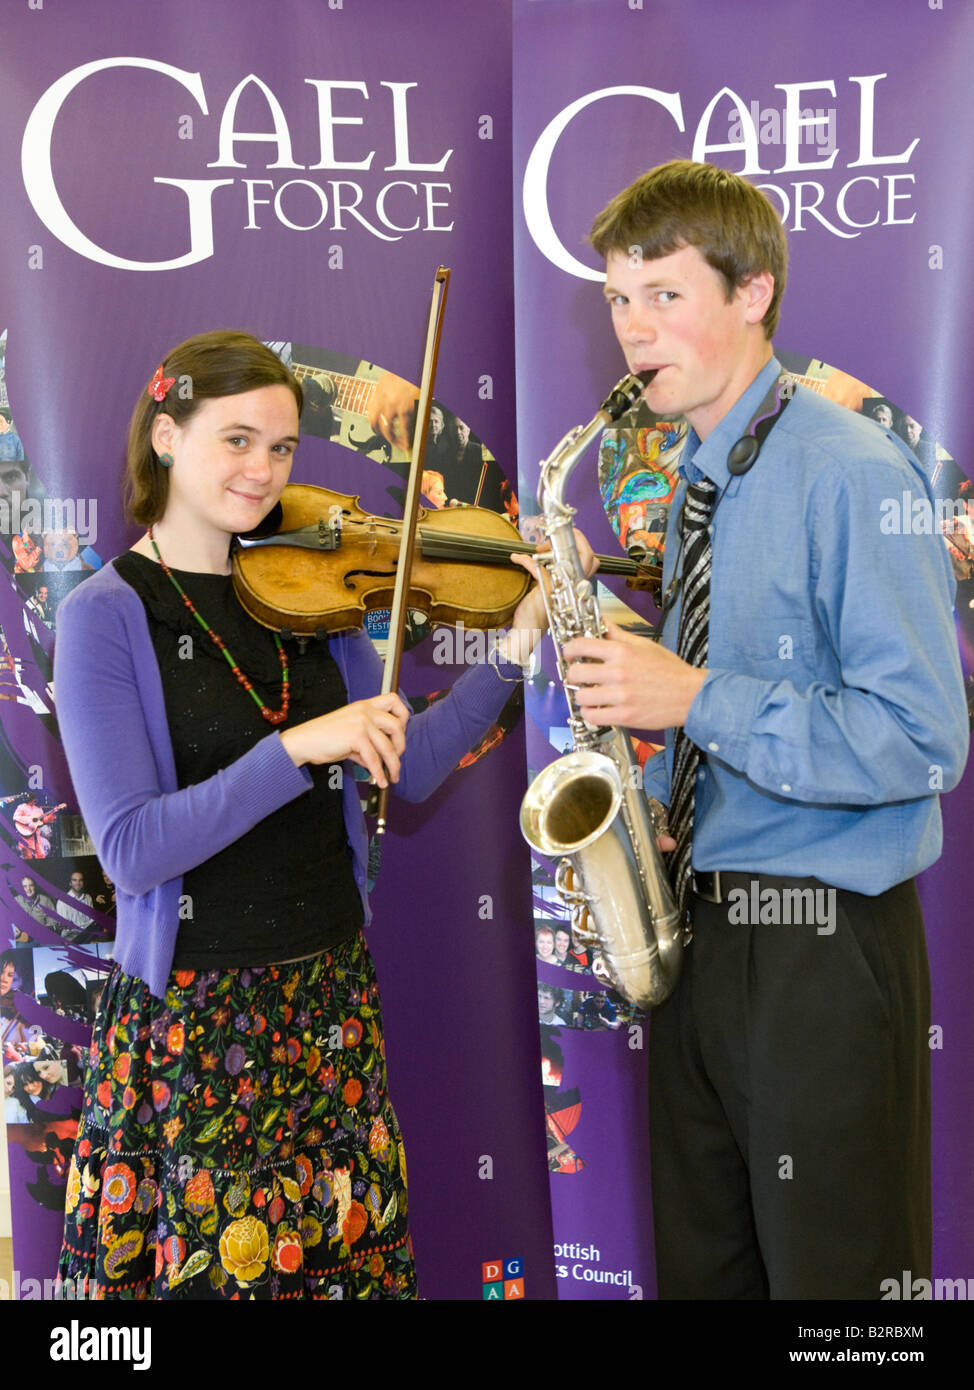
{"x": 503, "y": 1279}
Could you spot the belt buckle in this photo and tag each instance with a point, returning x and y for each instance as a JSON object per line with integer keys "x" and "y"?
{"x": 706, "y": 885}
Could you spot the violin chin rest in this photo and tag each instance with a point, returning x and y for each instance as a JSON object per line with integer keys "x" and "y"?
{"x": 272, "y": 523}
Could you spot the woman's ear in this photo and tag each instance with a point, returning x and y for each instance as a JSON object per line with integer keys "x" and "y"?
{"x": 164, "y": 429}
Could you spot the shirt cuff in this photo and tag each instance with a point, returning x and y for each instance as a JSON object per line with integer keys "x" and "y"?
{"x": 272, "y": 779}
{"x": 722, "y": 716}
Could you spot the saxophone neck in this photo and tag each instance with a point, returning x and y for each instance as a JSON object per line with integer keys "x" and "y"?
{"x": 559, "y": 466}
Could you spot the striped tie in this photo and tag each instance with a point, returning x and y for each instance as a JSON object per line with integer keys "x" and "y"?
{"x": 691, "y": 648}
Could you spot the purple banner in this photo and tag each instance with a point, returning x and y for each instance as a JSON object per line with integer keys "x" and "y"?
{"x": 298, "y": 170}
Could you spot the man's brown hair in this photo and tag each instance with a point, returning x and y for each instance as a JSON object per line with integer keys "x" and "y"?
{"x": 733, "y": 225}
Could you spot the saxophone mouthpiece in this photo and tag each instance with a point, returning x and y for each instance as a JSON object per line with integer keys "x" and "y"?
{"x": 626, "y": 393}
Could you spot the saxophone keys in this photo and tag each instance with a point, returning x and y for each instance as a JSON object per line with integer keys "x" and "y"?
{"x": 584, "y": 931}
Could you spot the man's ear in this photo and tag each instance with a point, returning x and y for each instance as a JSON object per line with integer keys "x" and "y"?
{"x": 758, "y": 291}
{"x": 163, "y": 433}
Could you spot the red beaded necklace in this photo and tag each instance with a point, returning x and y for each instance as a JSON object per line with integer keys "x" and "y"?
{"x": 273, "y": 716}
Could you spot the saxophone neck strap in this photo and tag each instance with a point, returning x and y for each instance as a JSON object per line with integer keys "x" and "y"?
{"x": 740, "y": 460}
{"x": 744, "y": 454}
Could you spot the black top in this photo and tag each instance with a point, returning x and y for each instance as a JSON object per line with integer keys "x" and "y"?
{"x": 286, "y": 888}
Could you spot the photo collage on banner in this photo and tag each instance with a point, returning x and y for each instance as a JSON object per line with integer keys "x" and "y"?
{"x": 59, "y": 903}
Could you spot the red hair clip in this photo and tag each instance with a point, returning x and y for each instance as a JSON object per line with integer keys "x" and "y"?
{"x": 160, "y": 384}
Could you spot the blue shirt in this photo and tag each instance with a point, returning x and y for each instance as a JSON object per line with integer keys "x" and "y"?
{"x": 834, "y": 707}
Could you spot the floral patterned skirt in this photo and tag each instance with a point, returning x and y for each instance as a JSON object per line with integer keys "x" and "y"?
{"x": 237, "y": 1140}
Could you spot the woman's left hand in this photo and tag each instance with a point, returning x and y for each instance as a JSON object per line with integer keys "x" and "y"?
{"x": 530, "y": 621}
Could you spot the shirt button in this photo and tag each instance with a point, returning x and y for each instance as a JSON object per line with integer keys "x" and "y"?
{"x": 786, "y": 786}
{"x": 714, "y": 747}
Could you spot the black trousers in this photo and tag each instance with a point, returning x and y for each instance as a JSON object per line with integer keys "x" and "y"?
{"x": 790, "y": 1103}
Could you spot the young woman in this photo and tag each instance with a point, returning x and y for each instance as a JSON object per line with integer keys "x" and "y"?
{"x": 237, "y": 1139}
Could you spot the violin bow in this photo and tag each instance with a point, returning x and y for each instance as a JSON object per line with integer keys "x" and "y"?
{"x": 407, "y": 543}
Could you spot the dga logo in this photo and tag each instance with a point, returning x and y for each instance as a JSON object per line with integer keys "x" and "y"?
{"x": 503, "y": 1279}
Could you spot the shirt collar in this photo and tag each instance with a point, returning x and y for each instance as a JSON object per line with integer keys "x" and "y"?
{"x": 708, "y": 457}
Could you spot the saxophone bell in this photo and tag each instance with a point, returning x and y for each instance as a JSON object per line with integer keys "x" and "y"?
{"x": 575, "y": 812}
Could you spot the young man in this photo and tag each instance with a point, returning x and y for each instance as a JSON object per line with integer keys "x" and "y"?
{"x": 789, "y": 1071}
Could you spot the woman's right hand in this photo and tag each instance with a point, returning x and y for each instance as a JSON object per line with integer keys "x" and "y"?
{"x": 370, "y": 732}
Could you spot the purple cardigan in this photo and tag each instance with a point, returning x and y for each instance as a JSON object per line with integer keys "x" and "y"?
{"x": 147, "y": 832}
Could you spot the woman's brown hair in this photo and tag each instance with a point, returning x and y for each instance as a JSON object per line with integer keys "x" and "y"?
{"x": 210, "y": 365}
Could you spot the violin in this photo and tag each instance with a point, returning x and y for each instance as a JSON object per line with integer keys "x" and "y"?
{"x": 320, "y": 563}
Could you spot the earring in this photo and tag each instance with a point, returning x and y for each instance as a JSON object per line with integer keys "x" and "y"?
{"x": 166, "y": 460}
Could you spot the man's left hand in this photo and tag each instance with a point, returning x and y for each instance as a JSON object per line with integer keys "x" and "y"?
{"x": 530, "y": 619}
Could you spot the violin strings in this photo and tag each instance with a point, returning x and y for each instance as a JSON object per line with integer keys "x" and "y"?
{"x": 444, "y": 545}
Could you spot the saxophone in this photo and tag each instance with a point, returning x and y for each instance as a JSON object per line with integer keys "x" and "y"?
{"x": 587, "y": 809}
